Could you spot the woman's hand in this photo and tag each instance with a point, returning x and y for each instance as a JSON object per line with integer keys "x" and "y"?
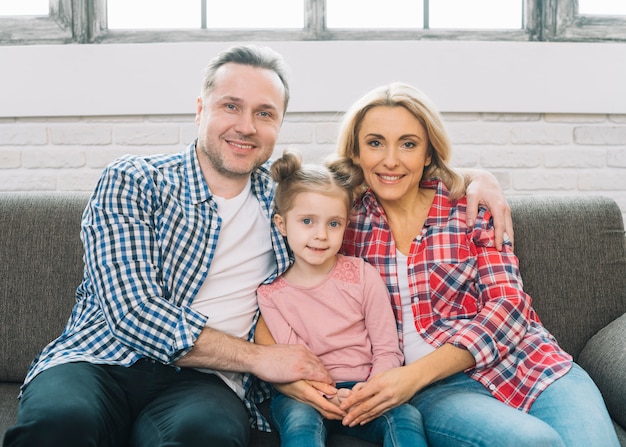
{"x": 381, "y": 393}
{"x": 396, "y": 386}
{"x": 312, "y": 393}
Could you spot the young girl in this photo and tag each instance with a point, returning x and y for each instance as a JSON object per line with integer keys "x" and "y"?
{"x": 337, "y": 306}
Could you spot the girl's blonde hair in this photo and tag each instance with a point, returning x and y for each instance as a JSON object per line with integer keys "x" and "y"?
{"x": 293, "y": 177}
{"x": 417, "y": 103}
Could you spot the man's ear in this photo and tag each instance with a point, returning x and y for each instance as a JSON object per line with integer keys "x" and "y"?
{"x": 199, "y": 106}
{"x": 280, "y": 223}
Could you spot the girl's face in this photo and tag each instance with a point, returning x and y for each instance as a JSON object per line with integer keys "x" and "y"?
{"x": 393, "y": 151}
{"x": 314, "y": 227}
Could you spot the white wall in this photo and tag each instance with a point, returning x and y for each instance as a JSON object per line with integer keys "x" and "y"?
{"x": 546, "y": 118}
{"x": 163, "y": 78}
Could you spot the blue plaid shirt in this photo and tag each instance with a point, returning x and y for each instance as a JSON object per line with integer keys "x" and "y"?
{"x": 149, "y": 233}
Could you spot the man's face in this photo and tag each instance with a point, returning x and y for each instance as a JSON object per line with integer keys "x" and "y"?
{"x": 239, "y": 120}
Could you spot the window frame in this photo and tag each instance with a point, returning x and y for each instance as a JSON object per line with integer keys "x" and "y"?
{"x": 563, "y": 24}
{"x": 59, "y": 26}
{"x": 84, "y": 22}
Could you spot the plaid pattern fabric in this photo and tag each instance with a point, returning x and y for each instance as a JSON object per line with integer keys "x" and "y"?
{"x": 149, "y": 233}
{"x": 465, "y": 292}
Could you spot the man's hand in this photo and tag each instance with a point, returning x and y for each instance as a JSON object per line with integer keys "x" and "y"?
{"x": 217, "y": 350}
{"x": 483, "y": 189}
{"x": 288, "y": 363}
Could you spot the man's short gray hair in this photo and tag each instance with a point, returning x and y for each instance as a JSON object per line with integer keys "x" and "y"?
{"x": 252, "y": 55}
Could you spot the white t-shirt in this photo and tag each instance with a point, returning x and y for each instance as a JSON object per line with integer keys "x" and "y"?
{"x": 414, "y": 345}
{"x": 242, "y": 260}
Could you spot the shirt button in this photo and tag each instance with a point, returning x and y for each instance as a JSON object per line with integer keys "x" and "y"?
{"x": 492, "y": 387}
{"x": 214, "y": 225}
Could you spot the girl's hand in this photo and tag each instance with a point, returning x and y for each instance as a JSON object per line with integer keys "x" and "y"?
{"x": 312, "y": 393}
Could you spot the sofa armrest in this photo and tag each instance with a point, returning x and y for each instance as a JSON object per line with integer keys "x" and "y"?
{"x": 604, "y": 358}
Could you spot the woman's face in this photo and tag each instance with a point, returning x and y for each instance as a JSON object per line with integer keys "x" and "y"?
{"x": 393, "y": 151}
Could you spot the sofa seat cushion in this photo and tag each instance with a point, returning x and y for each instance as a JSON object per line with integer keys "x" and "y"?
{"x": 604, "y": 357}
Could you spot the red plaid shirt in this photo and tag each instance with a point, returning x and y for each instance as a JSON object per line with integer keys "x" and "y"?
{"x": 464, "y": 292}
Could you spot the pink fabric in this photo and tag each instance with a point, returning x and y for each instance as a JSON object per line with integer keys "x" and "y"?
{"x": 346, "y": 319}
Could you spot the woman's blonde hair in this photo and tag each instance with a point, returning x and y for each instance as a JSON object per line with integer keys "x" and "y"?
{"x": 293, "y": 177}
{"x": 417, "y": 103}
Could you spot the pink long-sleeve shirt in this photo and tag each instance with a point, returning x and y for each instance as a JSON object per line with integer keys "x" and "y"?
{"x": 346, "y": 319}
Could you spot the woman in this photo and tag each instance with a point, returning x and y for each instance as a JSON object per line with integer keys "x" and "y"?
{"x": 480, "y": 367}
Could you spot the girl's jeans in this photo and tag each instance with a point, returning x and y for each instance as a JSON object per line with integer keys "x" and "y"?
{"x": 301, "y": 425}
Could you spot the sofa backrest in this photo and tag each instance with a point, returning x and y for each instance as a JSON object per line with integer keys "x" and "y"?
{"x": 571, "y": 250}
{"x": 40, "y": 268}
{"x": 573, "y": 262}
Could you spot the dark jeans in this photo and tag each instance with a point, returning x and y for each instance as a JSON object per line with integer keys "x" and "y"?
{"x": 147, "y": 404}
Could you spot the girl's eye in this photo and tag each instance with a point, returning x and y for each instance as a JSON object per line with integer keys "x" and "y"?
{"x": 334, "y": 224}
{"x": 307, "y": 221}
{"x": 409, "y": 145}
{"x": 374, "y": 143}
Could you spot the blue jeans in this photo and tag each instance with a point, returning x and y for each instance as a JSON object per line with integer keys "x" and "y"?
{"x": 301, "y": 425}
{"x": 147, "y": 405}
{"x": 459, "y": 411}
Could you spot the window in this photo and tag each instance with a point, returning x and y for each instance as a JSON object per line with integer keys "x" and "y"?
{"x": 425, "y": 14}
{"x": 390, "y": 14}
{"x": 110, "y": 21}
{"x": 25, "y": 8}
{"x": 601, "y": 7}
{"x": 203, "y": 14}
{"x": 153, "y": 14}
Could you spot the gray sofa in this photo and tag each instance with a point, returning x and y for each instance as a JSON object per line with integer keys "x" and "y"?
{"x": 571, "y": 250}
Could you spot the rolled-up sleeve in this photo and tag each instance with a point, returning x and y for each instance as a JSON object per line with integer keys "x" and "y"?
{"x": 504, "y": 311}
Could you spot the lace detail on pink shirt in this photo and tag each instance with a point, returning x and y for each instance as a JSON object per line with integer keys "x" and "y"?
{"x": 267, "y": 289}
{"x": 348, "y": 269}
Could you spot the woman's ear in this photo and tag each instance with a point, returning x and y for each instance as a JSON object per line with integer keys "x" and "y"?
{"x": 280, "y": 224}
{"x": 429, "y": 156}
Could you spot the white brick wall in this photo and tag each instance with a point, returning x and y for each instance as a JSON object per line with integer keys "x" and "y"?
{"x": 555, "y": 154}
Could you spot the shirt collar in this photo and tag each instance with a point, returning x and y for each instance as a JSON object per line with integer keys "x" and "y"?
{"x": 197, "y": 187}
{"x": 439, "y": 210}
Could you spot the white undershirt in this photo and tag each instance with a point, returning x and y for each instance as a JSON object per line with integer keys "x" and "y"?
{"x": 414, "y": 345}
{"x": 242, "y": 260}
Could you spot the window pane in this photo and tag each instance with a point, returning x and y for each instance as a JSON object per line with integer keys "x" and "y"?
{"x": 24, "y": 7}
{"x": 477, "y": 14}
{"x": 602, "y": 7}
{"x": 144, "y": 14}
{"x": 255, "y": 14}
{"x": 374, "y": 13}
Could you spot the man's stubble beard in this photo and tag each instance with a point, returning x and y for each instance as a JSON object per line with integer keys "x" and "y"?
{"x": 215, "y": 158}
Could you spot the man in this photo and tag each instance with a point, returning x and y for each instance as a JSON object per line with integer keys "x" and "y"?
{"x": 157, "y": 350}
